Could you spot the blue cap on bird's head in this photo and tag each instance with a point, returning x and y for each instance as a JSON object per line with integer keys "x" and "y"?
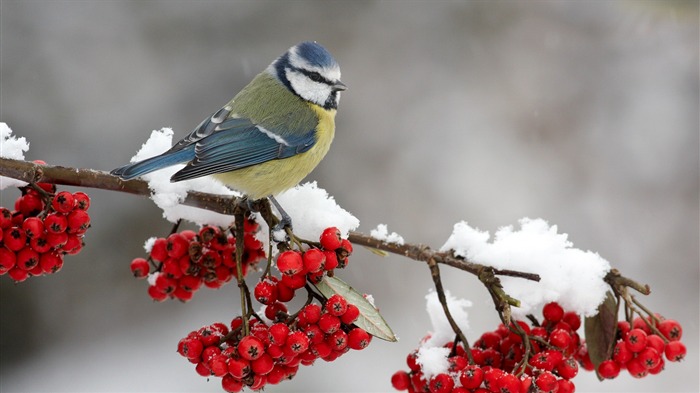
{"x": 310, "y": 71}
{"x": 314, "y": 54}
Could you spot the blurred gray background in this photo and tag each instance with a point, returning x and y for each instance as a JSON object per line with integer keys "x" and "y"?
{"x": 584, "y": 113}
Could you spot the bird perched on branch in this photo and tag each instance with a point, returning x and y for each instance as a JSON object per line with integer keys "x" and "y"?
{"x": 269, "y": 136}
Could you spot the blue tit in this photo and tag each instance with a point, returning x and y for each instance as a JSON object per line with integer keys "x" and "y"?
{"x": 270, "y": 135}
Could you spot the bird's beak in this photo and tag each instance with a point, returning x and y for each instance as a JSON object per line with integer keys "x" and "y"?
{"x": 339, "y": 86}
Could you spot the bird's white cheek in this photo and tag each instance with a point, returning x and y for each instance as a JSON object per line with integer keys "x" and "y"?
{"x": 309, "y": 90}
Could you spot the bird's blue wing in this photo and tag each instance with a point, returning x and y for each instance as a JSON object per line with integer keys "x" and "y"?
{"x": 238, "y": 143}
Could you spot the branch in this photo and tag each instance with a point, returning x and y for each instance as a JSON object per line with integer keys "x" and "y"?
{"x": 225, "y": 204}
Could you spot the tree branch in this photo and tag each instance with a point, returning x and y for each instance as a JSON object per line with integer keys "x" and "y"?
{"x": 225, "y": 204}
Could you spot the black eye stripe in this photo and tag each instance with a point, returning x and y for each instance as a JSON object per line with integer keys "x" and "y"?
{"x": 315, "y": 76}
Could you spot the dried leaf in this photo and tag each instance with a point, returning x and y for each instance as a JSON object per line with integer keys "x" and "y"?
{"x": 600, "y": 331}
{"x": 370, "y": 320}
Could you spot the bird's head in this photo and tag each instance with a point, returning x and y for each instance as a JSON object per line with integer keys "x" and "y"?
{"x": 309, "y": 71}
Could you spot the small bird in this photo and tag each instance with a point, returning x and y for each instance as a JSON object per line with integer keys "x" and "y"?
{"x": 271, "y": 135}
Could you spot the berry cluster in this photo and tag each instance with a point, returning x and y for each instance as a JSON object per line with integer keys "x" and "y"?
{"x": 497, "y": 358}
{"x": 273, "y": 351}
{"x": 185, "y": 260}
{"x": 641, "y": 349}
{"x": 271, "y": 354}
{"x": 297, "y": 267}
{"x": 43, "y": 227}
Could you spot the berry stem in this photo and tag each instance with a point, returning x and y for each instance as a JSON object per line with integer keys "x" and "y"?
{"x": 239, "y": 234}
{"x": 435, "y": 274}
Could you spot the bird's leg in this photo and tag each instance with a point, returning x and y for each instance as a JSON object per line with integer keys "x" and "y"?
{"x": 285, "y": 224}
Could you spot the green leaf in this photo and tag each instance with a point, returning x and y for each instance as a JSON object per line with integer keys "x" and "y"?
{"x": 370, "y": 320}
{"x": 601, "y": 330}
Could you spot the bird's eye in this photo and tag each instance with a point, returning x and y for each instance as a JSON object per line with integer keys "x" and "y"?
{"x": 315, "y": 76}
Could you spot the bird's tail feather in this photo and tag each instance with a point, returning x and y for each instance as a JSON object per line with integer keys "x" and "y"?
{"x": 149, "y": 165}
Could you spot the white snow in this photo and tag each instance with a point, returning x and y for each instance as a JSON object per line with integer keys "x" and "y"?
{"x": 382, "y": 233}
{"x": 433, "y": 360}
{"x": 148, "y": 245}
{"x": 570, "y": 276}
{"x": 432, "y": 356}
{"x": 312, "y": 210}
{"x": 14, "y": 148}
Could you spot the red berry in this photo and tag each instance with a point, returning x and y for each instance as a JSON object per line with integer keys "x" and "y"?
{"x": 351, "y": 314}
{"x": 573, "y": 319}
{"x": 311, "y": 313}
{"x": 238, "y": 367}
{"x": 330, "y": 239}
{"x": 565, "y": 386}
{"x": 636, "y": 368}
{"x": 78, "y": 221}
{"x": 266, "y": 292}
{"x": 441, "y": 383}
{"x": 17, "y": 274}
{"x": 338, "y": 340}
{"x": 276, "y": 311}
{"x": 230, "y": 384}
{"x": 547, "y": 382}
{"x": 650, "y": 357}
{"x": 50, "y": 262}
{"x": 553, "y": 312}
{"x": 190, "y": 348}
{"x": 623, "y": 327}
{"x": 218, "y": 366}
{"x": 14, "y": 238}
{"x": 457, "y": 363}
{"x": 33, "y": 227}
{"x": 290, "y": 263}
{"x": 81, "y": 200}
{"x": 336, "y": 305}
{"x": 30, "y": 204}
{"x": 262, "y": 365}
{"x": 159, "y": 251}
{"x": 567, "y": 369}
{"x": 675, "y": 351}
{"x": 622, "y": 353}
{"x": 560, "y": 338}
{"x": 400, "y": 380}
{"x": 63, "y": 202}
{"x": 27, "y": 258}
{"x": 328, "y": 323}
{"x": 156, "y": 294}
{"x": 250, "y": 348}
{"x": 491, "y": 377}
{"x": 56, "y": 240}
{"x": 278, "y": 333}
{"x": 331, "y": 260}
{"x": 508, "y": 383}
{"x": 74, "y": 243}
{"x": 659, "y": 367}
{"x": 471, "y": 377}
{"x": 636, "y": 340}
{"x": 8, "y": 260}
{"x": 284, "y": 292}
{"x": 411, "y": 361}
{"x": 656, "y": 342}
{"x": 671, "y": 329}
{"x": 314, "y": 260}
{"x": 358, "y": 339}
{"x": 609, "y": 369}
{"x": 139, "y": 267}
{"x": 5, "y": 218}
{"x": 177, "y": 245}
{"x": 56, "y": 223}
{"x": 297, "y": 342}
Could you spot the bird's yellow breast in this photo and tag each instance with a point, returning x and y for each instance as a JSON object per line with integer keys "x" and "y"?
{"x": 275, "y": 176}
